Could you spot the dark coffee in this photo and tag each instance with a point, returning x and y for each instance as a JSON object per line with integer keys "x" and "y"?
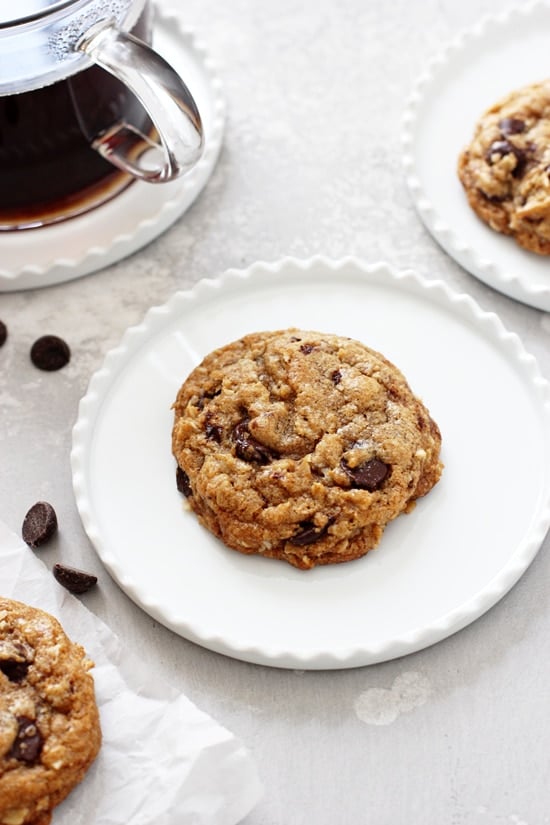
{"x": 48, "y": 170}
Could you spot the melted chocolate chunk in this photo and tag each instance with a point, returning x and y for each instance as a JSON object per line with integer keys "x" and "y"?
{"x": 309, "y": 533}
{"x": 15, "y": 671}
{"x": 492, "y": 198}
{"x": 3, "y": 333}
{"x": 367, "y": 476}
{"x": 182, "y": 482}
{"x": 212, "y": 431}
{"x": 28, "y": 742}
{"x": 511, "y": 126}
{"x": 76, "y": 581}
{"x": 504, "y": 147}
{"x": 247, "y": 448}
{"x": 307, "y": 348}
{"x": 39, "y": 525}
{"x": 207, "y": 396}
{"x": 336, "y": 376}
{"x": 50, "y": 353}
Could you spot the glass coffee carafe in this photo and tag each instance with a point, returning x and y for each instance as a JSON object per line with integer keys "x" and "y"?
{"x": 86, "y": 107}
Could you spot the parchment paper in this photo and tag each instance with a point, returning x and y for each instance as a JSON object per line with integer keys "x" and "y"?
{"x": 162, "y": 760}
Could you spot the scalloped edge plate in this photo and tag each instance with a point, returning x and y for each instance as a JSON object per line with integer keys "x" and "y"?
{"x": 58, "y": 253}
{"x": 500, "y": 53}
{"x": 435, "y": 570}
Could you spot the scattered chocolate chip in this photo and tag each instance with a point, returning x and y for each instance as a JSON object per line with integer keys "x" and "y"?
{"x": 182, "y": 482}
{"x": 367, "y": 476}
{"x": 504, "y": 147}
{"x": 307, "y": 348}
{"x": 39, "y": 525}
{"x": 294, "y": 339}
{"x": 50, "y": 353}
{"x": 336, "y": 376}
{"x": 3, "y": 333}
{"x": 28, "y": 742}
{"x": 77, "y": 581}
{"x": 15, "y": 671}
{"x": 309, "y": 533}
{"x": 247, "y": 448}
{"x": 511, "y": 126}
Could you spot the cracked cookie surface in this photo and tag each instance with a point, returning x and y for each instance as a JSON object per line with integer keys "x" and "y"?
{"x": 301, "y": 446}
{"x": 505, "y": 170}
{"x": 49, "y": 722}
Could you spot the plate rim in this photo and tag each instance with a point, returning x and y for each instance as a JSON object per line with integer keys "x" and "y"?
{"x": 503, "y": 280}
{"x": 417, "y": 638}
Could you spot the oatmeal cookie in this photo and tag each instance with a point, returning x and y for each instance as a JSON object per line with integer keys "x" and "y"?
{"x": 505, "y": 170}
{"x": 49, "y": 722}
{"x": 301, "y": 446}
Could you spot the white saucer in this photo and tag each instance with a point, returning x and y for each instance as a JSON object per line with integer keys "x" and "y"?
{"x": 436, "y": 569}
{"x": 500, "y": 54}
{"x": 54, "y": 254}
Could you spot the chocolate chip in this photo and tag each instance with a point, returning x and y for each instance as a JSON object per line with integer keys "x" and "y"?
{"x": 247, "y": 448}
{"x": 3, "y": 333}
{"x": 213, "y": 431}
{"x": 309, "y": 533}
{"x": 39, "y": 525}
{"x": 511, "y": 126}
{"x": 504, "y": 147}
{"x": 28, "y": 742}
{"x": 367, "y": 476}
{"x": 336, "y": 376}
{"x": 183, "y": 483}
{"x": 492, "y": 198}
{"x": 50, "y": 353}
{"x": 77, "y": 581}
{"x": 208, "y": 395}
{"x": 307, "y": 348}
{"x": 15, "y": 671}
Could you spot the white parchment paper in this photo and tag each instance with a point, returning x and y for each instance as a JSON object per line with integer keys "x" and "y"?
{"x": 162, "y": 760}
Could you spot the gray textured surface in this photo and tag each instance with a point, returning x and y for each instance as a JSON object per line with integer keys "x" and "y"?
{"x": 457, "y": 734}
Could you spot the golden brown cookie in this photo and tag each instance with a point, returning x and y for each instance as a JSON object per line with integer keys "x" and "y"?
{"x": 49, "y": 722}
{"x": 505, "y": 170}
{"x": 301, "y": 446}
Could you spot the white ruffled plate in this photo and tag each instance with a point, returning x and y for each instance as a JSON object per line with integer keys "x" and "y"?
{"x": 54, "y": 254}
{"x": 435, "y": 570}
{"x": 500, "y": 54}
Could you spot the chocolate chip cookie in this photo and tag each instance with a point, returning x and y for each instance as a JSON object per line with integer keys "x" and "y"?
{"x": 301, "y": 446}
{"x": 505, "y": 170}
{"x": 49, "y": 723}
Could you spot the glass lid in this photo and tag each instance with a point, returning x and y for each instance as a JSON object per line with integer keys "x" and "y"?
{"x": 39, "y": 38}
{"x": 30, "y": 10}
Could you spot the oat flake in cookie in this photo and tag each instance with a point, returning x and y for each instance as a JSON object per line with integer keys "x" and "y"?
{"x": 505, "y": 170}
{"x": 49, "y": 723}
{"x": 301, "y": 446}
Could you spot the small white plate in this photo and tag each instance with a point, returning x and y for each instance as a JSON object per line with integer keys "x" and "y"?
{"x": 435, "y": 570}
{"x": 54, "y": 254}
{"x": 500, "y": 54}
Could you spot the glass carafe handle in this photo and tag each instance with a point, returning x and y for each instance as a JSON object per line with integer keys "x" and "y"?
{"x": 165, "y": 98}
